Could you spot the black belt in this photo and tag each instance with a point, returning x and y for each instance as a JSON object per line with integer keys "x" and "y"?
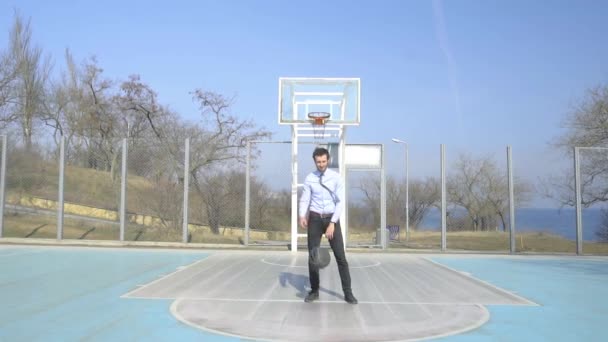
{"x": 323, "y": 216}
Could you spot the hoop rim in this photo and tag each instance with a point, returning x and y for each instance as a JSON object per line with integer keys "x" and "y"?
{"x": 318, "y": 115}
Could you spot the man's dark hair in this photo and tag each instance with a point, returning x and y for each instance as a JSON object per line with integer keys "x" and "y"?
{"x": 320, "y": 151}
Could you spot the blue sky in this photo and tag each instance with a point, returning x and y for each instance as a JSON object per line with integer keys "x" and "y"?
{"x": 474, "y": 75}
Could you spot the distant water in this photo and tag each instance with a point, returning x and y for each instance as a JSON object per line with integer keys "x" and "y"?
{"x": 560, "y": 222}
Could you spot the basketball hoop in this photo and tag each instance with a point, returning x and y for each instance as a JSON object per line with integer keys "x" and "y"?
{"x": 318, "y": 120}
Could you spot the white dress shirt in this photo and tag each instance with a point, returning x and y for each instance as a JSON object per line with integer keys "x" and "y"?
{"x": 319, "y": 199}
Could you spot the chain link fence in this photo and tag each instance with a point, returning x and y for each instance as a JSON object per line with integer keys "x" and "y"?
{"x": 91, "y": 191}
{"x": 363, "y": 189}
{"x": 550, "y": 227}
{"x": 134, "y": 190}
{"x": 270, "y": 193}
{"x": 30, "y": 192}
{"x": 155, "y": 191}
{"x": 477, "y": 213}
{"x": 424, "y": 197}
{"x": 593, "y": 174}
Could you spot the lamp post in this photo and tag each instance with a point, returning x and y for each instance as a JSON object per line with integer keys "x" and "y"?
{"x": 407, "y": 200}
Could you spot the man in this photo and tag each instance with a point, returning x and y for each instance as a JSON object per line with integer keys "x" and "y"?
{"x": 320, "y": 210}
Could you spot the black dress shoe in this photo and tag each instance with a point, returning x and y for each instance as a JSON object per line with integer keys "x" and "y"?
{"x": 350, "y": 298}
{"x": 312, "y": 296}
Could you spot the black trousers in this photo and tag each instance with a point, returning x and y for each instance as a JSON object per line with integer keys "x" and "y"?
{"x": 316, "y": 228}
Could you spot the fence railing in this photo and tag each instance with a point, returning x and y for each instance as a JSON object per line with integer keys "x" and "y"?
{"x": 137, "y": 191}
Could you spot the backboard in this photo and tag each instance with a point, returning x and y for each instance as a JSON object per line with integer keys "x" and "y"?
{"x": 357, "y": 156}
{"x": 338, "y": 96}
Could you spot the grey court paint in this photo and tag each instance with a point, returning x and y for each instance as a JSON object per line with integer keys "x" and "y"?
{"x": 260, "y": 296}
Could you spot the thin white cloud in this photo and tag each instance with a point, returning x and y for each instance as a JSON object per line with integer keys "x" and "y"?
{"x": 444, "y": 45}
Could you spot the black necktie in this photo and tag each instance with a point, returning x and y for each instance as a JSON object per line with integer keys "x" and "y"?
{"x": 331, "y": 193}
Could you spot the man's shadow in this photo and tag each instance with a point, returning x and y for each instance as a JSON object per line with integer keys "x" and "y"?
{"x": 300, "y": 282}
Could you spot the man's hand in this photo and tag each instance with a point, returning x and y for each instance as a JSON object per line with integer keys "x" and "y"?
{"x": 329, "y": 232}
{"x": 303, "y": 222}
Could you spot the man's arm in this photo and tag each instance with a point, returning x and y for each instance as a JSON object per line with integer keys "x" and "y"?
{"x": 304, "y": 203}
{"x": 339, "y": 192}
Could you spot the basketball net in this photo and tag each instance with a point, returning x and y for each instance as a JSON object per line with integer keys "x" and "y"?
{"x": 318, "y": 128}
{"x": 318, "y": 120}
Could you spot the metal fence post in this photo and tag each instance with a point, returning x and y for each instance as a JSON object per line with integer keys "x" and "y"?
{"x": 247, "y": 195}
{"x": 60, "y": 190}
{"x": 383, "y": 202}
{"x": 577, "y": 187}
{"x": 443, "y": 201}
{"x": 407, "y": 193}
{"x": 186, "y": 189}
{"x": 511, "y": 201}
{"x": 2, "y": 184}
{"x": 123, "y": 190}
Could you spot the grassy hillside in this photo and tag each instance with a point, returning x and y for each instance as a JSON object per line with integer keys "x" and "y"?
{"x": 94, "y": 188}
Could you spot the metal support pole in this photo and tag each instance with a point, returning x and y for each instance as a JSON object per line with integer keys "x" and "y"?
{"x": 247, "y": 195}
{"x": 345, "y": 223}
{"x": 577, "y": 187}
{"x": 407, "y": 188}
{"x": 186, "y": 189}
{"x": 443, "y": 201}
{"x": 2, "y": 184}
{"x": 383, "y": 203}
{"x": 512, "y": 244}
{"x": 343, "y": 174}
{"x": 123, "y": 190}
{"x": 294, "y": 189}
{"x": 60, "y": 195}
{"x": 407, "y": 195}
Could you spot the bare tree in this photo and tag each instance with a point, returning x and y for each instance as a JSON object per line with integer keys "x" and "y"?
{"x": 586, "y": 126}
{"x": 220, "y": 195}
{"x": 31, "y": 77}
{"x": 423, "y": 195}
{"x": 587, "y": 123}
{"x": 92, "y": 117}
{"x": 8, "y": 76}
{"x": 138, "y": 108}
{"x": 370, "y": 186}
{"x": 52, "y": 111}
{"x": 602, "y": 233}
{"x": 221, "y": 139}
{"x": 262, "y": 204}
{"x": 478, "y": 186}
{"x": 358, "y": 216}
{"x": 96, "y": 116}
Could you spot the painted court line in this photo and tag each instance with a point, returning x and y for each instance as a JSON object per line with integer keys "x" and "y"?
{"x": 485, "y": 317}
{"x": 468, "y": 275}
{"x": 179, "y": 269}
{"x": 286, "y": 265}
{"x": 338, "y": 301}
{"x": 176, "y": 314}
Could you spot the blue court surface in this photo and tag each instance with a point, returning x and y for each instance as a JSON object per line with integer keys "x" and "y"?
{"x": 87, "y": 293}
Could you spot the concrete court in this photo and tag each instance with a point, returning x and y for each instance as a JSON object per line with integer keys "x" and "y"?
{"x": 259, "y": 295}
{"x": 59, "y": 293}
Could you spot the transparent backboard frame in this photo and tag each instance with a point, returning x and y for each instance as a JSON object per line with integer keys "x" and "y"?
{"x": 299, "y": 96}
{"x": 357, "y": 156}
